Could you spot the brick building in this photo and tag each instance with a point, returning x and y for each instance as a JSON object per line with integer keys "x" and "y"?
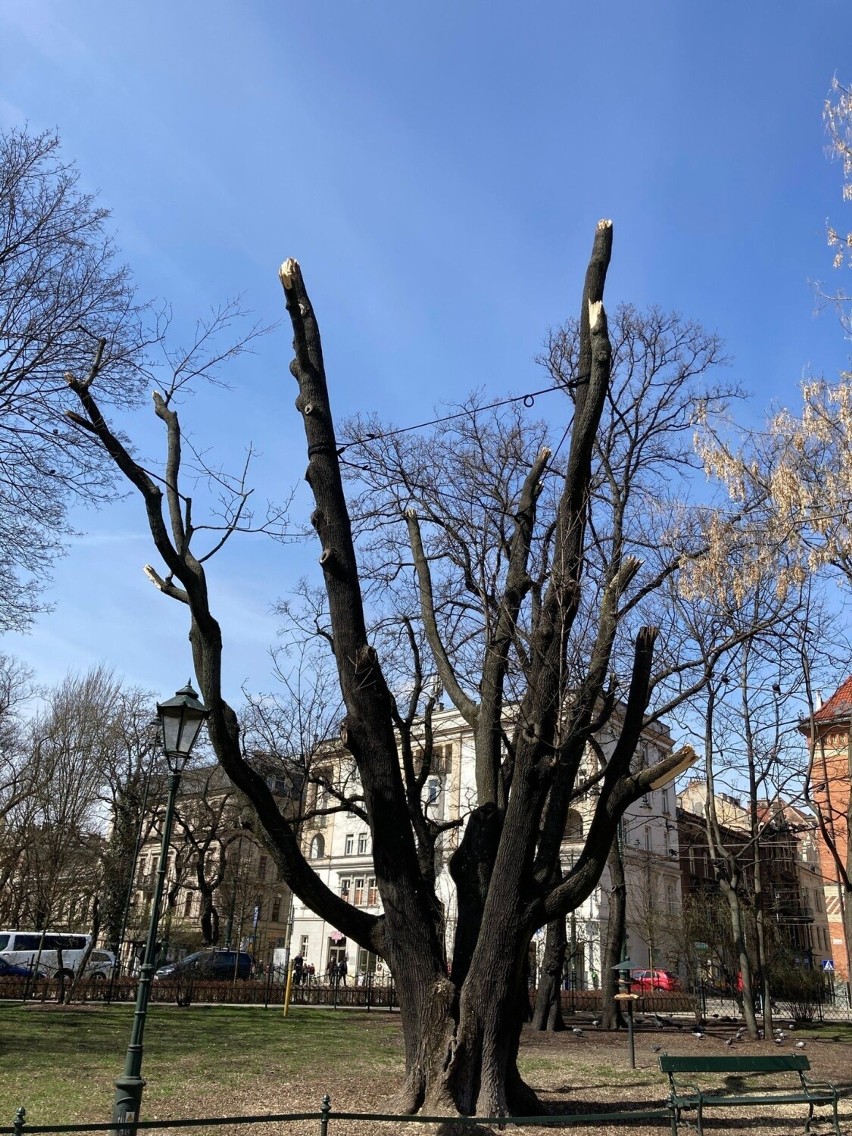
{"x": 828, "y": 734}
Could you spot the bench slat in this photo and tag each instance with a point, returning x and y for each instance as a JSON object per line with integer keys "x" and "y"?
{"x": 777, "y": 1063}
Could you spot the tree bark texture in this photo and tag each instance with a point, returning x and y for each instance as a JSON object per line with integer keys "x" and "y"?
{"x": 611, "y": 1016}
{"x": 547, "y": 1014}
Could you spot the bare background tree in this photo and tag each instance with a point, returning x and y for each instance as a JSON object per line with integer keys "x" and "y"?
{"x": 61, "y": 290}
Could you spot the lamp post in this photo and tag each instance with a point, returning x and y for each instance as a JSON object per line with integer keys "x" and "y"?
{"x": 181, "y": 719}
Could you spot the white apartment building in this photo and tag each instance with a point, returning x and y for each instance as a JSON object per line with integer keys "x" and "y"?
{"x": 339, "y": 848}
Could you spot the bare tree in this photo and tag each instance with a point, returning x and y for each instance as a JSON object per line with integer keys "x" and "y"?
{"x": 16, "y": 692}
{"x": 750, "y": 717}
{"x": 536, "y": 701}
{"x": 61, "y": 290}
{"x": 66, "y": 301}
{"x": 57, "y": 870}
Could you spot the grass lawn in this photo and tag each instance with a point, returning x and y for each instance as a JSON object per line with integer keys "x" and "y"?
{"x": 60, "y": 1063}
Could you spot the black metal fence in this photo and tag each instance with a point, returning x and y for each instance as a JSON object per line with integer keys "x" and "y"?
{"x": 371, "y": 992}
{"x": 264, "y": 990}
{"x": 325, "y": 1118}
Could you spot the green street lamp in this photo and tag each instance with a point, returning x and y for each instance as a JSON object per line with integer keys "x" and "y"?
{"x": 180, "y": 719}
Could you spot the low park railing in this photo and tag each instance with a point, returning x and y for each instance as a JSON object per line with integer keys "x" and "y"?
{"x": 325, "y": 1118}
{"x": 265, "y": 990}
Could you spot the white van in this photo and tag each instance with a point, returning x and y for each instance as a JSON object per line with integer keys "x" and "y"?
{"x": 48, "y": 952}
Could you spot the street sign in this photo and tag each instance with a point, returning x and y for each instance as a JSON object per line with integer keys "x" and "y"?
{"x": 828, "y": 964}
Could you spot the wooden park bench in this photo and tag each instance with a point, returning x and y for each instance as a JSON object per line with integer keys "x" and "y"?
{"x": 685, "y": 1096}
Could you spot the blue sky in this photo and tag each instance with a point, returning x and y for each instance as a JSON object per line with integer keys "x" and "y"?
{"x": 438, "y": 170}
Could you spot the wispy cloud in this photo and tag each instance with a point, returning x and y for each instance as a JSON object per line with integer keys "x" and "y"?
{"x": 41, "y": 24}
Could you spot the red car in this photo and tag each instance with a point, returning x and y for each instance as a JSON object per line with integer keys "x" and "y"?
{"x": 645, "y": 980}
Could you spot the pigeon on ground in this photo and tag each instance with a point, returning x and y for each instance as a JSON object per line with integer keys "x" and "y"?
{"x": 800, "y": 1045}
{"x": 656, "y": 1048}
{"x": 577, "y": 1031}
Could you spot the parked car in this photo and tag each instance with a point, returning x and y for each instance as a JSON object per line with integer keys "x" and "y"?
{"x": 210, "y": 964}
{"x": 101, "y": 965}
{"x": 54, "y": 952}
{"x": 15, "y": 970}
{"x": 645, "y": 980}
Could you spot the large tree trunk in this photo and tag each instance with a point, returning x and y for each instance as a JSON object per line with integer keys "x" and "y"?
{"x": 611, "y": 1016}
{"x": 548, "y": 1000}
{"x": 482, "y": 1077}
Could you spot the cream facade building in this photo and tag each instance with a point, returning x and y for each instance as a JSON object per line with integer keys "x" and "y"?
{"x": 339, "y": 848}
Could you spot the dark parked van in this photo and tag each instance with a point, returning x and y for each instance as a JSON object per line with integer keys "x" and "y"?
{"x": 210, "y": 964}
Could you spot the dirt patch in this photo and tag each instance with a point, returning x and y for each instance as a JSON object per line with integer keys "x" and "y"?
{"x": 585, "y": 1072}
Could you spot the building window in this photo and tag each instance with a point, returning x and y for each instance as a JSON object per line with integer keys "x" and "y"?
{"x": 671, "y": 902}
{"x": 363, "y": 843}
{"x": 574, "y": 826}
{"x": 187, "y": 905}
{"x": 664, "y": 801}
{"x": 349, "y": 844}
{"x": 442, "y": 759}
{"x": 303, "y": 946}
{"x": 275, "y": 913}
{"x": 359, "y": 890}
{"x": 366, "y": 962}
{"x": 649, "y": 842}
{"x": 262, "y": 867}
{"x": 318, "y": 847}
{"x": 433, "y": 788}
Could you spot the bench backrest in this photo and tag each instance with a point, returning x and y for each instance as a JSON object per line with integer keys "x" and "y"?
{"x": 778, "y": 1063}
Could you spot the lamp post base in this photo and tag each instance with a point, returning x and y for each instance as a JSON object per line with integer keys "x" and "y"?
{"x": 125, "y": 1108}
